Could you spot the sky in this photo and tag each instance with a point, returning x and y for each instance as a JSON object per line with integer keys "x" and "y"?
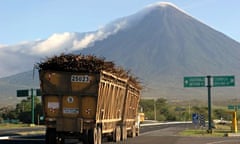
{"x": 29, "y": 20}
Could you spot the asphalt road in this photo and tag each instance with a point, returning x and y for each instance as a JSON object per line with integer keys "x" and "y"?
{"x": 164, "y": 134}
{"x": 20, "y": 131}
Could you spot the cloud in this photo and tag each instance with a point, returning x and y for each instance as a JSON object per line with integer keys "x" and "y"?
{"x": 55, "y": 44}
{"x": 2, "y": 46}
{"x": 90, "y": 38}
{"x": 15, "y": 62}
{"x": 21, "y": 57}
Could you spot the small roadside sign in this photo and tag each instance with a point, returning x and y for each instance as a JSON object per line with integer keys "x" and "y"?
{"x": 231, "y": 107}
{"x": 223, "y": 81}
{"x": 22, "y": 93}
{"x": 195, "y": 118}
{"x": 202, "y": 120}
{"x": 38, "y": 92}
{"x": 195, "y": 81}
{"x": 27, "y": 92}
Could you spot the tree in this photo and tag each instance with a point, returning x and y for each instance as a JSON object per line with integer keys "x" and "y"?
{"x": 220, "y": 113}
{"x": 148, "y": 108}
{"x": 163, "y": 110}
{"x": 25, "y": 111}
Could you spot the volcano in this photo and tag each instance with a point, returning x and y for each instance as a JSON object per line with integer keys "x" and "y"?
{"x": 161, "y": 44}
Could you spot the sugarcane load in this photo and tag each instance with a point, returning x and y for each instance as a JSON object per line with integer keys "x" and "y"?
{"x": 87, "y": 98}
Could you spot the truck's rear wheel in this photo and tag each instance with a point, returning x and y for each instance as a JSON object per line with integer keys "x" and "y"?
{"x": 85, "y": 137}
{"x": 60, "y": 139}
{"x": 50, "y": 136}
{"x": 133, "y": 134}
{"x": 137, "y": 131}
{"x": 117, "y": 134}
{"x": 99, "y": 130}
{"x": 95, "y": 136}
{"x": 124, "y": 133}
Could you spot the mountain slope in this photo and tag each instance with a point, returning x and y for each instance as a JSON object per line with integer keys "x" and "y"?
{"x": 166, "y": 45}
{"x": 160, "y": 44}
{"x": 169, "y": 38}
{"x": 9, "y": 86}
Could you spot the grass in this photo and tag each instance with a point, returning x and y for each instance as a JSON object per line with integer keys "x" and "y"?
{"x": 8, "y": 125}
{"x": 219, "y": 131}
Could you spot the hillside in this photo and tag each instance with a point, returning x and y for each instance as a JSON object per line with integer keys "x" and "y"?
{"x": 160, "y": 44}
{"x": 167, "y": 44}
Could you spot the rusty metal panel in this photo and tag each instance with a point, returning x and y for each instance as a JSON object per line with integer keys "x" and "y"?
{"x": 84, "y": 83}
{"x": 67, "y": 124}
{"x": 88, "y": 107}
{"x": 53, "y": 82}
{"x": 68, "y": 83}
{"x": 70, "y": 106}
{"x": 52, "y": 106}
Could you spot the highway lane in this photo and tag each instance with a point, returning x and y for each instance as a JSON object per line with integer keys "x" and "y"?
{"x": 20, "y": 131}
{"x": 165, "y": 133}
{"x": 141, "y": 140}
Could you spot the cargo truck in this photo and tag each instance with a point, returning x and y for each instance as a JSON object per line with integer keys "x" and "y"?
{"x": 86, "y": 98}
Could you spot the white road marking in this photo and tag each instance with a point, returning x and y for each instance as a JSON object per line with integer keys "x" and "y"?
{"x": 4, "y": 138}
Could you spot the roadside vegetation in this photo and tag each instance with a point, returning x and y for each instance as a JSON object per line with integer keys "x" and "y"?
{"x": 12, "y": 125}
{"x": 21, "y": 114}
{"x": 220, "y": 130}
{"x": 159, "y": 109}
{"x": 162, "y": 110}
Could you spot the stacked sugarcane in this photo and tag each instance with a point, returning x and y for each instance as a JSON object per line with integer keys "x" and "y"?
{"x": 83, "y": 64}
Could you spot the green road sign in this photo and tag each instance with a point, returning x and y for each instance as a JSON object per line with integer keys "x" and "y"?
{"x": 22, "y": 93}
{"x": 196, "y": 81}
{"x": 38, "y": 92}
{"x": 25, "y": 93}
{"x": 231, "y": 107}
{"x": 223, "y": 81}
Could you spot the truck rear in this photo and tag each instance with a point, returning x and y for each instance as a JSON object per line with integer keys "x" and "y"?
{"x": 87, "y": 98}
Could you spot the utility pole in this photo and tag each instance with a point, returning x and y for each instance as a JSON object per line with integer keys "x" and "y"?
{"x": 189, "y": 111}
{"x": 155, "y": 110}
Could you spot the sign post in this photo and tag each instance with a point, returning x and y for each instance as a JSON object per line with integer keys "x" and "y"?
{"x": 209, "y": 105}
{"x": 218, "y": 81}
{"x": 25, "y": 93}
{"x": 32, "y": 106}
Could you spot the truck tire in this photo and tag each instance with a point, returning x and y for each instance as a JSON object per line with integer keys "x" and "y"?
{"x": 95, "y": 136}
{"x": 133, "y": 134}
{"x": 117, "y": 134}
{"x": 60, "y": 139}
{"x": 50, "y": 136}
{"x": 85, "y": 137}
{"x": 137, "y": 131}
{"x": 124, "y": 133}
{"x": 99, "y": 130}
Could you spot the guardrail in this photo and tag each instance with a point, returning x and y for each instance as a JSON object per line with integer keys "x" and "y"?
{"x": 152, "y": 123}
